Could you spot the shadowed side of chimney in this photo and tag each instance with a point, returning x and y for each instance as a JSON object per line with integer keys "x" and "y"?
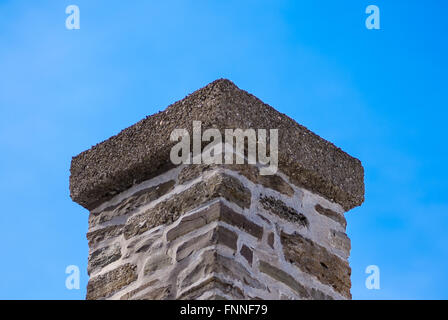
{"x": 216, "y": 231}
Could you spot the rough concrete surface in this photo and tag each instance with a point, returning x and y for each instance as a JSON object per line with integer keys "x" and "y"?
{"x": 141, "y": 151}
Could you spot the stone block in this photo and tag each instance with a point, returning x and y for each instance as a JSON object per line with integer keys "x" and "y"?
{"x": 213, "y": 263}
{"x": 339, "y": 240}
{"x": 219, "y": 185}
{"x": 284, "y": 278}
{"x": 131, "y": 203}
{"x": 211, "y": 284}
{"x": 195, "y": 221}
{"x": 218, "y": 235}
{"x": 331, "y": 214}
{"x": 107, "y": 284}
{"x": 96, "y": 236}
{"x": 317, "y": 261}
{"x": 101, "y": 257}
{"x": 247, "y": 253}
{"x": 280, "y": 209}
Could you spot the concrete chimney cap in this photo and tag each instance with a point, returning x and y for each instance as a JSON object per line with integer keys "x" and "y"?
{"x": 142, "y": 150}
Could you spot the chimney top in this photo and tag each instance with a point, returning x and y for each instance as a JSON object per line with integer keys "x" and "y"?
{"x": 142, "y": 150}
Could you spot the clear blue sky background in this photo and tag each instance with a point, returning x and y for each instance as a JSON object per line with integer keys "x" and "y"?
{"x": 380, "y": 95}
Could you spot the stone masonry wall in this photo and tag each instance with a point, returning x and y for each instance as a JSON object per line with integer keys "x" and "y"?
{"x": 161, "y": 231}
{"x": 218, "y": 232}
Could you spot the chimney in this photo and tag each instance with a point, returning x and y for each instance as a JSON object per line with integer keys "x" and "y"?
{"x": 209, "y": 230}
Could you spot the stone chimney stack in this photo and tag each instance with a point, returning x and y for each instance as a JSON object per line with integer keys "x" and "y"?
{"x": 160, "y": 230}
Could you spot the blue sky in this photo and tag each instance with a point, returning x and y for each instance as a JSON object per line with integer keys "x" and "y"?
{"x": 380, "y": 95}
